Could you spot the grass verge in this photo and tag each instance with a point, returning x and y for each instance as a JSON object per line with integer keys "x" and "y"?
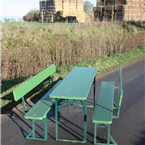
{"x": 32, "y": 24}
{"x": 104, "y": 64}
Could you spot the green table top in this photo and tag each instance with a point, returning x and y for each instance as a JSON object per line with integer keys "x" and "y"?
{"x": 76, "y": 85}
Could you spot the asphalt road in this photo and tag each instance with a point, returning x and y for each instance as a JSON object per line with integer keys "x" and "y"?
{"x": 129, "y": 129}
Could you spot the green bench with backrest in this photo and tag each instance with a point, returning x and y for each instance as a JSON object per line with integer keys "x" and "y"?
{"x": 42, "y": 107}
{"x": 103, "y": 111}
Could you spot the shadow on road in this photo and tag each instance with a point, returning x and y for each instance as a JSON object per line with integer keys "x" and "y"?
{"x": 141, "y": 140}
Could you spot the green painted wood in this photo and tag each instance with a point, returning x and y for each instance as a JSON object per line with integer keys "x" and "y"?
{"x": 41, "y": 108}
{"x": 76, "y": 85}
{"x": 27, "y": 86}
{"x": 103, "y": 111}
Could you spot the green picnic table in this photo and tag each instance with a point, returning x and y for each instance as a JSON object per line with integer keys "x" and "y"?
{"x": 75, "y": 86}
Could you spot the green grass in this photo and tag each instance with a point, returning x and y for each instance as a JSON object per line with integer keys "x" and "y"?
{"x": 44, "y": 25}
{"x": 32, "y": 24}
{"x": 103, "y": 64}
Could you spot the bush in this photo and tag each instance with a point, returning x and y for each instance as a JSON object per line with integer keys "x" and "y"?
{"x": 32, "y": 16}
{"x": 12, "y": 20}
{"x": 88, "y": 7}
{"x": 27, "y": 51}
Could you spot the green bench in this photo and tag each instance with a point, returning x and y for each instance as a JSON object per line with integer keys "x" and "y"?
{"x": 42, "y": 107}
{"x": 103, "y": 111}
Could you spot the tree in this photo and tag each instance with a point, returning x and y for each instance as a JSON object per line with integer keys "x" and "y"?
{"x": 88, "y": 7}
{"x": 20, "y": 20}
{"x": 32, "y": 15}
{"x": 7, "y": 20}
{"x": 12, "y": 20}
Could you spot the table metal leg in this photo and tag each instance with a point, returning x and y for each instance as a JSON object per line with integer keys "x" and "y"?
{"x": 94, "y": 89}
{"x": 85, "y": 119}
{"x": 45, "y": 124}
{"x": 56, "y": 120}
{"x": 95, "y": 132}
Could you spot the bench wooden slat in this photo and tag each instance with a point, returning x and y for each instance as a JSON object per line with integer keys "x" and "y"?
{"x": 103, "y": 111}
{"x": 41, "y": 108}
{"x": 27, "y": 86}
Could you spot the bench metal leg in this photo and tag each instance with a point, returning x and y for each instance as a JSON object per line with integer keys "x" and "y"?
{"x": 33, "y": 130}
{"x": 109, "y": 138}
{"x": 118, "y": 110}
{"x": 108, "y": 134}
{"x": 24, "y": 104}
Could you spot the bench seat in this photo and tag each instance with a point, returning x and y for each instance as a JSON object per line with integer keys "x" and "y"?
{"x": 42, "y": 107}
{"x": 104, "y": 106}
{"x": 103, "y": 111}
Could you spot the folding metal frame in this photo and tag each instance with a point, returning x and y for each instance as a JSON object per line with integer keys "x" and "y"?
{"x": 44, "y": 121}
{"x": 67, "y": 102}
{"x": 109, "y": 138}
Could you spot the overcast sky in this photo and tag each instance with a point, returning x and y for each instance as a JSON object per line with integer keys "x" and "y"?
{"x": 21, "y": 7}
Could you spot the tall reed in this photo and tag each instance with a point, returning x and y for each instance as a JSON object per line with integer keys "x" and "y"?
{"x": 26, "y": 51}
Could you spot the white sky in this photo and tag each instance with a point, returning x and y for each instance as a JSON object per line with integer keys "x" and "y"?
{"x": 21, "y": 7}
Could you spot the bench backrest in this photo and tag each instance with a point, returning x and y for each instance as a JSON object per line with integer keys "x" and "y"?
{"x": 120, "y": 90}
{"x": 27, "y": 86}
